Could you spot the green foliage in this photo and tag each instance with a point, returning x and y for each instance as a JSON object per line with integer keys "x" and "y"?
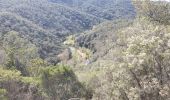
{"x": 9, "y": 75}
{"x": 60, "y": 82}
{"x": 32, "y": 80}
{"x": 70, "y": 41}
{"x": 51, "y": 71}
{"x": 3, "y": 93}
{"x": 142, "y": 71}
{"x": 36, "y": 67}
{"x": 155, "y": 11}
{"x": 47, "y": 24}
{"x": 16, "y": 82}
{"x": 147, "y": 57}
{"x": 19, "y": 51}
{"x": 110, "y": 9}
{"x": 80, "y": 56}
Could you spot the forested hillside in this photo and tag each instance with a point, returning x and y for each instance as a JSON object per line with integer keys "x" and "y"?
{"x": 84, "y": 50}
{"x": 44, "y": 24}
{"x": 110, "y": 9}
{"x": 47, "y": 24}
{"x": 130, "y": 58}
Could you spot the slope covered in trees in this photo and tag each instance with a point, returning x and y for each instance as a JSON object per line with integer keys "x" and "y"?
{"x": 133, "y": 60}
{"x": 115, "y": 60}
{"x": 137, "y": 66}
{"x": 32, "y": 33}
{"x": 110, "y": 9}
{"x": 47, "y": 24}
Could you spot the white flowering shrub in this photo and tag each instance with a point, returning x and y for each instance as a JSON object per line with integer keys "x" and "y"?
{"x": 143, "y": 69}
{"x": 147, "y": 57}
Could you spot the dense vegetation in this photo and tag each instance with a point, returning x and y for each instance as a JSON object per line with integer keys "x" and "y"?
{"x": 32, "y": 33}
{"x": 84, "y": 49}
{"x": 133, "y": 59}
{"x": 47, "y": 24}
{"x": 110, "y": 9}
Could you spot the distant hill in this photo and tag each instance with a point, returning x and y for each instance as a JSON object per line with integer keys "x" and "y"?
{"x": 110, "y": 9}
{"x": 47, "y": 23}
{"x": 102, "y": 37}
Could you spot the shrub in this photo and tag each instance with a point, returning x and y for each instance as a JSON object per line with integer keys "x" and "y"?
{"x": 156, "y": 11}
{"x": 60, "y": 83}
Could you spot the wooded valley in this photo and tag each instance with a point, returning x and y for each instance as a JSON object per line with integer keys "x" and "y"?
{"x": 84, "y": 50}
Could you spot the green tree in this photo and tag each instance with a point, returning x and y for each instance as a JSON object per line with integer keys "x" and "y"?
{"x": 3, "y": 94}
{"x": 61, "y": 83}
{"x": 19, "y": 51}
{"x": 141, "y": 71}
{"x": 36, "y": 67}
{"x": 156, "y": 11}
